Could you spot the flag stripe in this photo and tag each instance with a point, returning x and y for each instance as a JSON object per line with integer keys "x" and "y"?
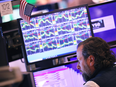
{"x": 23, "y": 4}
{"x": 23, "y": 8}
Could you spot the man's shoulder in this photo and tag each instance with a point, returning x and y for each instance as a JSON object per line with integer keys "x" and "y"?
{"x": 106, "y": 76}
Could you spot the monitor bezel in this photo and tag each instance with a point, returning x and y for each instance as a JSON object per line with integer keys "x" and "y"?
{"x": 57, "y": 65}
{"x": 23, "y": 45}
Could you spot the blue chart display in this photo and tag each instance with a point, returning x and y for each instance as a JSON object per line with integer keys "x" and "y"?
{"x": 30, "y": 36}
{"x": 61, "y": 17}
{"x": 47, "y": 32}
{"x": 24, "y": 25}
{"x": 55, "y": 33}
{"x": 49, "y": 44}
{"x": 76, "y": 14}
{"x": 65, "y": 41}
{"x": 44, "y": 20}
{"x": 64, "y": 29}
{"x": 32, "y": 48}
{"x": 32, "y": 23}
{"x": 78, "y": 38}
{"x": 79, "y": 25}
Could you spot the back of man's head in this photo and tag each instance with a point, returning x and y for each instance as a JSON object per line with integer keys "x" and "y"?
{"x": 100, "y": 50}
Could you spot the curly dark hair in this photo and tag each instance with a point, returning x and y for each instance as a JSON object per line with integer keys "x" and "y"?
{"x": 100, "y": 49}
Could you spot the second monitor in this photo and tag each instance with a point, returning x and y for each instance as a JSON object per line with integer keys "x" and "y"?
{"x": 103, "y": 18}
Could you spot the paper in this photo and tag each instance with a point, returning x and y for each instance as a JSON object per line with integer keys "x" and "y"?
{"x": 6, "y": 8}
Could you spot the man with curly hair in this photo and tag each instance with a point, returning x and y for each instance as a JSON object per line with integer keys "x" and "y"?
{"x": 96, "y": 62}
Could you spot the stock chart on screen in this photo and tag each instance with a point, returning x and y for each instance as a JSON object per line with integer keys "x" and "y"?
{"x": 104, "y": 20}
{"x": 55, "y": 34}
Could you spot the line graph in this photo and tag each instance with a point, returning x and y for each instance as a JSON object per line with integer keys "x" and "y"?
{"x": 49, "y": 44}
{"x": 32, "y": 23}
{"x": 78, "y": 13}
{"x": 61, "y": 17}
{"x": 81, "y": 36}
{"x": 80, "y": 25}
{"x": 32, "y": 48}
{"x": 30, "y": 36}
{"x": 65, "y": 41}
{"x": 45, "y": 21}
{"x": 24, "y": 25}
{"x": 47, "y": 32}
{"x": 64, "y": 28}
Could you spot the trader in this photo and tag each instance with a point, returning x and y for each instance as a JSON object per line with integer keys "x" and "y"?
{"x": 96, "y": 62}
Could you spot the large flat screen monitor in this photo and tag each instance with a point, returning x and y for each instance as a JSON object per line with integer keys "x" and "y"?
{"x": 60, "y": 76}
{"x": 103, "y": 17}
{"x": 54, "y": 34}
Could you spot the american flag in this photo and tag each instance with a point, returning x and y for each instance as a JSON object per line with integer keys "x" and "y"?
{"x": 25, "y": 10}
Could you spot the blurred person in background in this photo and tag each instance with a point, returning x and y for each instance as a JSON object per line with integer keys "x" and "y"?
{"x": 71, "y": 3}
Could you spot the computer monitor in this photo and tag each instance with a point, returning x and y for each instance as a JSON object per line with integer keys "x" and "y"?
{"x": 66, "y": 75}
{"x": 103, "y": 18}
{"x": 54, "y": 34}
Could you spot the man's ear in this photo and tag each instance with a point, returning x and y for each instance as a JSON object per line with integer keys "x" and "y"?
{"x": 91, "y": 60}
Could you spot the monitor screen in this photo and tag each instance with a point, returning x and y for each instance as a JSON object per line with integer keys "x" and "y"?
{"x": 103, "y": 18}
{"x": 61, "y": 76}
{"x": 54, "y": 34}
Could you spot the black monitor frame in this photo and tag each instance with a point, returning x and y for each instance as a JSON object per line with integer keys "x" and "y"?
{"x": 69, "y": 62}
{"x": 23, "y": 45}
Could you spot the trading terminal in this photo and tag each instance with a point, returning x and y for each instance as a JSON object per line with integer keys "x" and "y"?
{"x": 45, "y": 50}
